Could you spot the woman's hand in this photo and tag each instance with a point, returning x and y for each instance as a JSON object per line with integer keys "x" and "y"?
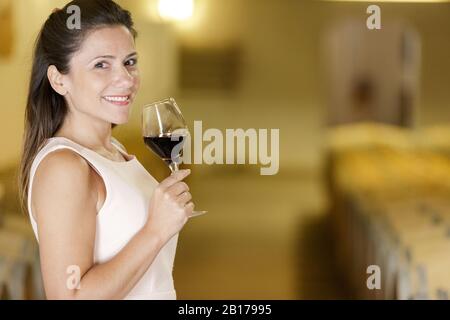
{"x": 170, "y": 206}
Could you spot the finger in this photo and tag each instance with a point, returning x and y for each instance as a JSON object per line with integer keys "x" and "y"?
{"x": 184, "y": 198}
{"x": 189, "y": 207}
{"x": 178, "y": 188}
{"x": 174, "y": 178}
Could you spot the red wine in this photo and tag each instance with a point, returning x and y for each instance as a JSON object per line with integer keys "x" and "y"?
{"x": 163, "y": 146}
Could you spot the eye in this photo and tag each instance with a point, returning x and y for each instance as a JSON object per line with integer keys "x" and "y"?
{"x": 131, "y": 62}
{"x": 100, "y": 65}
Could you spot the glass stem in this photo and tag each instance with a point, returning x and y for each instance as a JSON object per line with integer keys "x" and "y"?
{"x": 173, "y": 166}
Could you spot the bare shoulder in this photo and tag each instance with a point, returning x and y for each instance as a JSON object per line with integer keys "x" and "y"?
{"x": 63, "y": 179}
{"x": 62, "y": 164}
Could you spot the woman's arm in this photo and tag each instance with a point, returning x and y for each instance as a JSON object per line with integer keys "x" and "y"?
{"x": 64, "y": 202}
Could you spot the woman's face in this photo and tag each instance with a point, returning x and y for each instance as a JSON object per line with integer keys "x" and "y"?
{"x": 103, "y": 78}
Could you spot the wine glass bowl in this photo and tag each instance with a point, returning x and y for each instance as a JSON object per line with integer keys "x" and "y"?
{"x": 162, "y": 117}
{"x": 164, "y": 131}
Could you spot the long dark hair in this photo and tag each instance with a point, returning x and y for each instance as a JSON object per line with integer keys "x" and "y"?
{"x": 55, "y": 45}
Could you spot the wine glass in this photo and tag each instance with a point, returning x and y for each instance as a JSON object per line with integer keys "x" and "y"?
{"x": 165, "y": 131}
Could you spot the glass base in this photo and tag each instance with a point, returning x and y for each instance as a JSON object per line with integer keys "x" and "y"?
{"x": 197, "y": 213}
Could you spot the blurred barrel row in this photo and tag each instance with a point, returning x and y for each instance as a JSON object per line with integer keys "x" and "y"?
{"x": 390, "y": 208}
{"x": 20, "y": 275}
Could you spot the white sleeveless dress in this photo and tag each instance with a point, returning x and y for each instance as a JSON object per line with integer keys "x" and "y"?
{"x": 129, "y": 188}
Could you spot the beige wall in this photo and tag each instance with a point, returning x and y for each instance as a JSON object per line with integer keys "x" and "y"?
{"x": 280, "y": 85}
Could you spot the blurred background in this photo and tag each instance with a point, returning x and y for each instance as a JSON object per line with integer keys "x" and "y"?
{"x": 364, "y": 175}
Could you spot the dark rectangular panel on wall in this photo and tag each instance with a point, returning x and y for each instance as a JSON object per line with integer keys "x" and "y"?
{"x": 209, "y": 68}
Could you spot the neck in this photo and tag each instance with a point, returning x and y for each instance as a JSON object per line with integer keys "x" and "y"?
{"x": 86, "y": 131}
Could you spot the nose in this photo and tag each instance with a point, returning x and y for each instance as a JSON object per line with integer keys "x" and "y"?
{"x": 123, "y": 78}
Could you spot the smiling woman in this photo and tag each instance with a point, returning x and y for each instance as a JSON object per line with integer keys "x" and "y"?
{"x": 106, "y": 228}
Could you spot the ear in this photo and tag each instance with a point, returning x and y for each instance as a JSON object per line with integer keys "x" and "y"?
{"x": 56, "y": 80}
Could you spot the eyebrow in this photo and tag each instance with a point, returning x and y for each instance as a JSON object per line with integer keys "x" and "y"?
{"x": 113, "y": 57}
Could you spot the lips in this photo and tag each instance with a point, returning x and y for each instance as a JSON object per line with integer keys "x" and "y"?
{"x": 120, "y": 100}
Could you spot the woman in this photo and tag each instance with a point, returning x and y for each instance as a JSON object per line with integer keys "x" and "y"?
{"x": 106, "y": 228}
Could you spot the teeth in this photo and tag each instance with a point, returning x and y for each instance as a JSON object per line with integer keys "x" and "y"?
{"x": 119, "y": 99}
